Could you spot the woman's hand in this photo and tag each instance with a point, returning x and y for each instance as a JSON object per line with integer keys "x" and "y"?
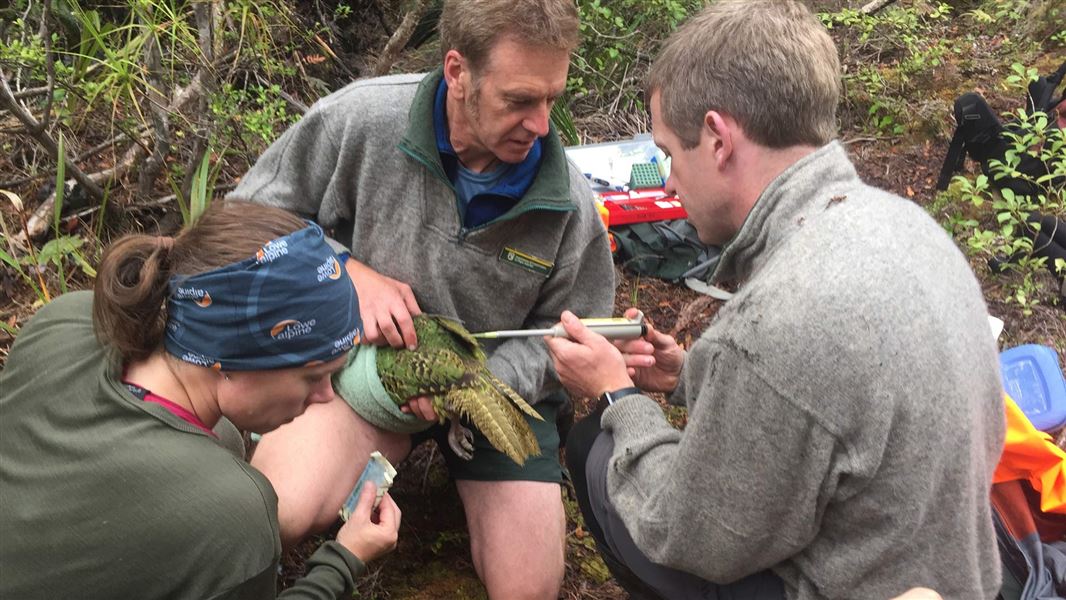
{"x": 367, "y": 537}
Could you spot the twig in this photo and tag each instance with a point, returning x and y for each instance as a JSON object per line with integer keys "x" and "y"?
{"x": 111, "y": 142}
{"x": 399, "y": 38}
{"x": 155, "y": 203}
{"x": 216, "y": 28}
{"x": 329, "y": 24}
{"x": 861, "y": 139}
{"x": 28, "y": 92}
{"x": 160, "y": 121}
{"x": 205, "y": 25}
{"x": 329, "y": 51}
{"x": 205, "y": 32}
{"x": 49, "y": 65}
{"x": 621, "y": 91}
{"x": 380, "y": 15}
{"x": 41, "y": 218}
{"x": 293, "y": 102}
{"x": 33, "y": 128}
{"x": 429, "y": 465}
{"x": 871, "y": 7}
{"x": 690, "y": 313}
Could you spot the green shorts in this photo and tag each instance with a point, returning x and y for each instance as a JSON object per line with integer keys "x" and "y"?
{"x": 489, "y": 464}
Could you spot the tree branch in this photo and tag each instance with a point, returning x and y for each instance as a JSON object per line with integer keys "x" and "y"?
{"x": 49, "y": 64}
{"x": 41, "y": 219}
{"x": 34, "y": 129}
{"x": 874, "y": 5}
{"x": 399, "y": 38}
{"x": 159, "y": 118}
{"x": 26, "y": 93}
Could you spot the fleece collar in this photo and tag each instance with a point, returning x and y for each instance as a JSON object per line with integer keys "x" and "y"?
{"x": 791, "y": 195}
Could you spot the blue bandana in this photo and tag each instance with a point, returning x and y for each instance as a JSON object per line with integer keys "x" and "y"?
{"x": 290, "y": 305}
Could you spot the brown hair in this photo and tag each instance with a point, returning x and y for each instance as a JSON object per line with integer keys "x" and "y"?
{"x": 132, "y": 283}
{"x": 769, "y": 64}
{"x": 472, "y": 27}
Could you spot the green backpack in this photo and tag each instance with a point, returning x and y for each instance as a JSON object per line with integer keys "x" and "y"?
{"x": 669, "y": 250}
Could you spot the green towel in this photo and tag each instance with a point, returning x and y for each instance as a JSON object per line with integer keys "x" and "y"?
{"x": 358, "y": 383}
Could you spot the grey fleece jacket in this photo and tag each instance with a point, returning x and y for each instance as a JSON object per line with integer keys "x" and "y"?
{"x": 845, "y": 407}
{"x": 364, "y": 160}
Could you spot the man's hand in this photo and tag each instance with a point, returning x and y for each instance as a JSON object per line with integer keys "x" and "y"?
{"x": 367, "y": 537}
{"x": 385, "y": 305}
{"x": 421, "y": 407}
{"x": 653, "y": 361}
{"x": 587, "y": 364}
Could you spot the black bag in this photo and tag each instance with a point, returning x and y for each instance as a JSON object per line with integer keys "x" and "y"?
{"x": 669, "y": 250}
{"x": 979, "y": 133}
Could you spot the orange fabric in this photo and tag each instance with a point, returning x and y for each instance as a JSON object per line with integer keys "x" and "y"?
{"x": 1031, "y": 455}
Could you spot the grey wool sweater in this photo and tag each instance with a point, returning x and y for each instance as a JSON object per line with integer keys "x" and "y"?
{"x": 845, "y": 412}
{"x": 364, "y": 161}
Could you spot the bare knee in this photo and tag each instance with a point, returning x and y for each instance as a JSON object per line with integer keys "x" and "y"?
{"x": 313, "y": 462}
{"x": 526, "y": 585}
{"x": 517, "y": 537}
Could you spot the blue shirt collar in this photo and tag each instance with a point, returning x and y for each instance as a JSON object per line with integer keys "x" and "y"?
{"x": 517, "y": 182}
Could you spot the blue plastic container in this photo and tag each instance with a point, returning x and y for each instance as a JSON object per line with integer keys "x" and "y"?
{"x": 1033, "y": 378}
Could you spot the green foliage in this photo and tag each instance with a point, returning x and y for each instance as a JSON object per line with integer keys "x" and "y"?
{"x": 102, "y": 71}
{"x": 447, "y": 540}
{"x": 60, "y": 187}
{"x": 893, "y": 47}
{"x": 255, "y": 114}
{"x": 9, "y": 257}
{"x": 564, "y": 124}
{"x": 1007, "y": 231}
{"x": 57, "y": 250}
{"x": 619, "y": 39}
{"x": 1020, "y": 77}
{"x": 999, "y": 11}
{"x": 200, "y": 192}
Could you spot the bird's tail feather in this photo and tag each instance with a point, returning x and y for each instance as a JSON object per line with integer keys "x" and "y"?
{"x": 511, "y": 395}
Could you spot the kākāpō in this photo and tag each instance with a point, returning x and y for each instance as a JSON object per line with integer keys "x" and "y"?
{"x": 448, "y": 366}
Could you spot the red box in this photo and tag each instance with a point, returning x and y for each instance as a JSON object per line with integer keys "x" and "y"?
{"x": 640, "y": 206}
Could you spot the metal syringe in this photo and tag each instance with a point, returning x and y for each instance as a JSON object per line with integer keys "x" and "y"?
{"x": 612, "y": 328}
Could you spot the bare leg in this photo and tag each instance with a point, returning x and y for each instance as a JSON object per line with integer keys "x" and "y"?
{"x": 314, "y": 461}
{"x": 517, "y": 536}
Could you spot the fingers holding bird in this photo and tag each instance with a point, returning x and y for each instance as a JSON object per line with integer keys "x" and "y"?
{"x": 421, "y": 407}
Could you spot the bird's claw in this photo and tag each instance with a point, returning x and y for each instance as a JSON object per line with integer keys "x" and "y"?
{"x": 461, "y": 440}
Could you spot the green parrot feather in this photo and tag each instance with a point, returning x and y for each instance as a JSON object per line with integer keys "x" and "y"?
{"x": 449, "y": 367}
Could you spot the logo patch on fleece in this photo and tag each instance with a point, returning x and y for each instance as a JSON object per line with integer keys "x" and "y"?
{"x": 526, "y": 261}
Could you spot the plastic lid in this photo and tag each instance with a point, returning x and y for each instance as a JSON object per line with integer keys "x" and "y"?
{"x": 1033, "y": 378}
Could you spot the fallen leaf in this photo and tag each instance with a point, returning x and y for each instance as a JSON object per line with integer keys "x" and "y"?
{"x": 14, "y": 198}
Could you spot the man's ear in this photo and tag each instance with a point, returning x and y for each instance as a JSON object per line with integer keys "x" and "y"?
{"x": 718, "y": 131}
{"x": 456, "y": 73}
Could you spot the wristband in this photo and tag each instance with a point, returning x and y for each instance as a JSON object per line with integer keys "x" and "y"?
{"x": 611, "y": 397}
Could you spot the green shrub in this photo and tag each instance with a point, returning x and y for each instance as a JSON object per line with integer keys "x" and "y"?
{"x": 1002, "y": 229}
